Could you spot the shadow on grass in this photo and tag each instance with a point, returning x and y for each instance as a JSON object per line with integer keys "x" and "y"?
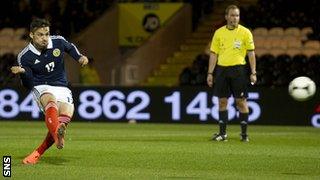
{"x": 57, "y": 161}
{"x": 54, "y": 160}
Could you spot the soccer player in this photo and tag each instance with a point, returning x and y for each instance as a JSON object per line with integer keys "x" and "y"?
{"x": 41, "y": 68}
{"x": 229, "y": 46}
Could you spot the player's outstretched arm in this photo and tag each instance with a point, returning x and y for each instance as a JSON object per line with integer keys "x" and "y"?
{"x": 17, "y": 69}
{"x": 83, "y": 60}
{"x": 25, "y": 75}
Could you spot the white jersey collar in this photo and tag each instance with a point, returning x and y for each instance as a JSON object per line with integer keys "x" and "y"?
{"x": 35, "y": 50}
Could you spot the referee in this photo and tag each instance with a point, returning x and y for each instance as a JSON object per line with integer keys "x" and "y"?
{"x": 229, "y": 46}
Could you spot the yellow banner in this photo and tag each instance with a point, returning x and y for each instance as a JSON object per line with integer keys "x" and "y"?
{"x": 137, "y": 21}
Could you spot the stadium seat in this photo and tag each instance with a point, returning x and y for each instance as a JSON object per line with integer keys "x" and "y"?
{"x": 279, "y": 43}
{"x": 259, "y": 41}
{"x": 5, "y": 50}
{"x": 309, "y": 51}
{"x": 276, "y": 51}
{"x": 261, "y": 51}
{"x": 268, "y": 43}
{"x": 293, "y": 51}
{"x": 276, "y": 31}
{"x": 293, "y": 42}
{"x": 5, "y": 41}
{"x": 9, "y": 32}
{"x": 260, "y": 31}
{"x": 17, "y": 46}
{"x": 306, "y": 30}
{"x": 292, "y": 31}
{"x": 312, "y": 44}
{"x": 20, "y": 32}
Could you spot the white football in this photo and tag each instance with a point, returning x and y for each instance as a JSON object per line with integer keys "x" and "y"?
{"x": 302, "y": 88}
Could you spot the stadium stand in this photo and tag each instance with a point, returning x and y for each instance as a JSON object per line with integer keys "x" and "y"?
{"x": 285, "y": 47}
{"x": 295, "y": 35}
{"x": 68, "y": 18}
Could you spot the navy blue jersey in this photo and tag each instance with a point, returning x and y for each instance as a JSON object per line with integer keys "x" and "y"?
{"x": 46, "y": 67}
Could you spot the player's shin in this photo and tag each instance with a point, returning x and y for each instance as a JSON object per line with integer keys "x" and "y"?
{"x": 51, "y": 118}
{"x": 223, "y": 119}
{"x": 48, "y": 141}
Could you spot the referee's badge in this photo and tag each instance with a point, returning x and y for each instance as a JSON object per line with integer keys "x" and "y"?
{"x": 56, "y": 52}
{"x": 237, "y": 44}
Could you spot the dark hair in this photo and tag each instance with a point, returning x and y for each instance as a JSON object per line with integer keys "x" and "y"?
{"x": 231, "y": 7}
{"x": 38, "y": 23}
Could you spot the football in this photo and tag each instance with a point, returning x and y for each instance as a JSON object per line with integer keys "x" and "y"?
{"x": 302, "y": 88}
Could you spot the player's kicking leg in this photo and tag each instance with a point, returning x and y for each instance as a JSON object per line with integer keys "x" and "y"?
{"x": 34, "y": 157}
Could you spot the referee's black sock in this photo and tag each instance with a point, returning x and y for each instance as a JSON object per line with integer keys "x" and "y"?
{"x": 243, "y": 117}
{"x": 223, "y": 119}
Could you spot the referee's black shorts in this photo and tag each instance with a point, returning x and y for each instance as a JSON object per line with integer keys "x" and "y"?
{"x": 231, "y": 80}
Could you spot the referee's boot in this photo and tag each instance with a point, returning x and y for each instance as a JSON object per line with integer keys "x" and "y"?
{"x": 244, "y": 137}
{"x": 220, "y": 137}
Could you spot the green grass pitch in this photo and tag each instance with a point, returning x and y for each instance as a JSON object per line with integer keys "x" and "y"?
{"x": 164, "y": 151}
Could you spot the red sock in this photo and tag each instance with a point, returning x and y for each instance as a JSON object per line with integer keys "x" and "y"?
{"x": 51, "y": 117}
{"x": 64, "y": 119}
{"x": 48, "y": 141}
